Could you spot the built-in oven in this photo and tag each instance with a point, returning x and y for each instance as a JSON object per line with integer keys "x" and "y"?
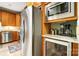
{"x": 57, "y": 10}
{"x": 55, "y": 47}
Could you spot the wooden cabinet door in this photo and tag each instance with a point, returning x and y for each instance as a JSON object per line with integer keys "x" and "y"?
{"x": 18, "y": 20}
{"x": 11, "y": 19}
{"x": 15, "y": 36}
{"x": 0, "y": 15}
{"x": 8, "y": 19}
{"x": 74, "y": 49}
{"x": 4, "y": 18}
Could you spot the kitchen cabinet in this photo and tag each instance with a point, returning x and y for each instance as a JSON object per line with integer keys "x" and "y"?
{"x": 15, "y": 36}
{"x": 0, "y": 15}
{"x": 8, "y": 19}
{"x": 36, "y": 4}
{"x": 74, "y": 49}
{"x": 18, "y": 20}
{"x": 68, "y": 19}
{"x": 11, "y": 19}
{"x": 4, "y": 18}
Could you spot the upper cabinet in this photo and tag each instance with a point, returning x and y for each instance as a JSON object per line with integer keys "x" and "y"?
{"x": 9, "y": 19}
{"x": 61, "y": 11}
{"x": 36, "y": 4}
{"x": 5, "y": 18}
{"x": 18, "y": 20}
{"x": 0, "y": 15}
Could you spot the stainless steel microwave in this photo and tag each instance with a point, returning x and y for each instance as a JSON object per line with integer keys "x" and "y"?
{"x": 57, "y": 10}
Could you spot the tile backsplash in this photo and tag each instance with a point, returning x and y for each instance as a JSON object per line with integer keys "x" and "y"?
{"x": 73, "y": 26}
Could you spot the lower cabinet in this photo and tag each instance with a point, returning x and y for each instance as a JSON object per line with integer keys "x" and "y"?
{"x": 15, "y": 36}
{"x": 8, "y": 36}
{"x": 75, "y": 49}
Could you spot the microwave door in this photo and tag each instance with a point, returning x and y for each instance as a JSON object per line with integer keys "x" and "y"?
{"x": 58, "y": 9}
{"x": 51, "y": 12}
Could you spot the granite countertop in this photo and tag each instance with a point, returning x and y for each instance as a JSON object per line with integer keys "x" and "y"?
{"x": 62, "y": 38}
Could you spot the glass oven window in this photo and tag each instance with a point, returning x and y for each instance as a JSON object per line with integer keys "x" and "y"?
{"x": 53, "y": 49}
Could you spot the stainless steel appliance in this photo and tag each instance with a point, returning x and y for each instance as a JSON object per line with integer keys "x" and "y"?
{"x": 55, "y": 10}
{"x": 6, "y": 37}
{"x": 31, "y": 31}
{"x": 55, "y": 47}
{"x": 36, "y": 30}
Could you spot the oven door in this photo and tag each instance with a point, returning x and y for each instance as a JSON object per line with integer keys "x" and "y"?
{"x": 55, "y": 47}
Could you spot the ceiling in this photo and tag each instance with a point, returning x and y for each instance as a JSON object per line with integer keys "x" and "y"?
{"x": 14, "y": 6}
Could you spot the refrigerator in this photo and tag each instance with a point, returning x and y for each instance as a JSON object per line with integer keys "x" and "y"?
{"x": 31, "y": 40}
